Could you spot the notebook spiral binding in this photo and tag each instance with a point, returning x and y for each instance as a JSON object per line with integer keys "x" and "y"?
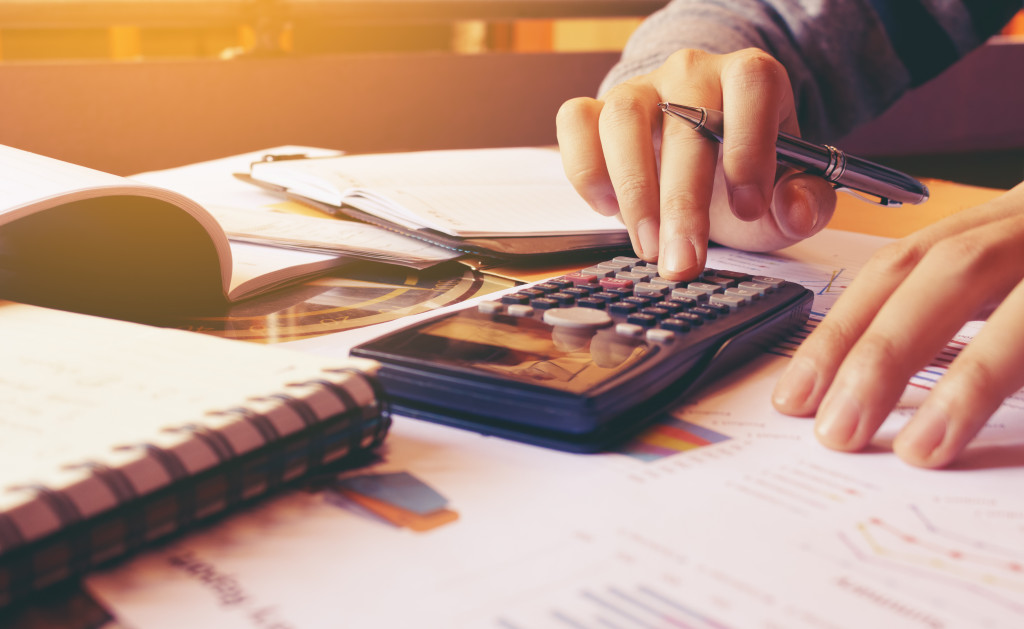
{"x": 80, "y": 543}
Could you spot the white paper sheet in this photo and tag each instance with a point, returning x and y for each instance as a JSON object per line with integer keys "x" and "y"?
{"x": 758, "y": 527}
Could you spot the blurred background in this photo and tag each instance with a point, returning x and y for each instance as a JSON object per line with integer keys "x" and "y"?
{"x": 133, "y": 85}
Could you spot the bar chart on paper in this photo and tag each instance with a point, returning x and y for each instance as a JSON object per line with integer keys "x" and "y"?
{"x": 669, "y": 437}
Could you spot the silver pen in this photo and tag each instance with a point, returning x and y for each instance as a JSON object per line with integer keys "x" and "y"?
{"x": 890, "y": 188}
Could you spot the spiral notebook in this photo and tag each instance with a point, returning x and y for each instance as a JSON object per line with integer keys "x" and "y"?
{"x": 116, "y": 434}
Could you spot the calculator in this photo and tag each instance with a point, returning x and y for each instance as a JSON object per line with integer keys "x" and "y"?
{"x": 583, "y": 361}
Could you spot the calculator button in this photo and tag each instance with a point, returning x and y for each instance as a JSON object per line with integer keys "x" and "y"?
{"x": 544, "y": 303}
{"x": 707, "y": 313}
{"x": 591, "y": 302}
{"x": 639, "y": 302}
{"x": 490, "y": 307}
{"x": 747, "y": 295}
{"x": 615, "y": 266}
{"x": 660, "y": 281}
{"x": 621, "y": 292}
{"x": 548, "y": 287}
{"x": 701, "y": 287}
{"x": 577, "y": 292}
{"x": 629, "y": 329}
{"x": 578, "y": 318}
{"x": 758, "y": 287}
{"x": 673, "y": 306}
{"x": 774, "y": 282}
{"x": 610, "y": 283}
{"x": 676, "y": 325}
{"x": 647, "y": 290}
{"x": 579, "y": 277}
{"x": 622, "y": 308}
{"x": 656, "y": 312}
{"x": 636, "y": 278}
{"x": 732, "y": 302}
{"x": 627, "y": 260}
{"x": 647, "y": 271}
{"x": 597, "y": 272}
{"x": 563, "y": 299}
{"x": 692, "y": 318}
{"x": 659, "y": 335}
{"x": 685, "y": 295}
{"x": 606, "y": 296}
{"x": 517, "y": 310}
{"x": 733, "y": 275}
{"x": 642, "y": 319}
{"x": 515, "y": 298}
{"x": 724, "y": 282}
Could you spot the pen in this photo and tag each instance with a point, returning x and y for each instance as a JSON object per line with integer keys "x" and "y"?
{"x": 848, "y": 173}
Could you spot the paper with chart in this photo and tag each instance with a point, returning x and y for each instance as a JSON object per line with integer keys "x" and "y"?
{"x": 725, "y": 514}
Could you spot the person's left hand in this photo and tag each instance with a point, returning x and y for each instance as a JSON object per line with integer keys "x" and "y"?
{"x": 902, "y": 308}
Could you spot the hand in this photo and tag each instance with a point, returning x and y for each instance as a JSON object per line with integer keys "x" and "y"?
{"x": 614, "y": 149}
{"x": 902, "y": 308}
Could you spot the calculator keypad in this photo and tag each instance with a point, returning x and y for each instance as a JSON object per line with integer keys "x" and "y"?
{"x": 629, "y": 294}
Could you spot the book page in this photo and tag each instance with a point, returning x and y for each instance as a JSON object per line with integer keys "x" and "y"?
{"x": 466, "y": 193}
{"x": 31, "y": 183}
{"x": 251, "y": 214}
{"x": 74, "y": 388}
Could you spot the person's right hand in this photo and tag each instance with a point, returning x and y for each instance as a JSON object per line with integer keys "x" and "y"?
{"x": 666, "y": 181}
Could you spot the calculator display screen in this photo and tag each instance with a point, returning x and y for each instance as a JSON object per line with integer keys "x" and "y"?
{"x": 527, "y": 350}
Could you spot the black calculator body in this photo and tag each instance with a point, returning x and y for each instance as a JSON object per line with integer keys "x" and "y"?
{"x": 583, "y": 361}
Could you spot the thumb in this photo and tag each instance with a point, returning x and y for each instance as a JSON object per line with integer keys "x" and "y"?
{"x": 802, "y": 204}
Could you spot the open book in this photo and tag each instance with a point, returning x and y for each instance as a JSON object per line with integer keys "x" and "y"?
{"x": 502, "y": 203}
{"x": 79, "y": 239}
{"x": 116, "y": 433}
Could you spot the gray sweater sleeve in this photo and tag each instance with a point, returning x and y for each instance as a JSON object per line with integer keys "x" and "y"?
{"x": 848, "y": 60}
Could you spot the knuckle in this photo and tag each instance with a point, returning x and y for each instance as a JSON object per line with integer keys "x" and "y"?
{"x": 897, "y": 258}
{"x": 962, "y": 252}
{"x": 632, "y": 187}
{"x": 681, "y": 60}
{"x": 574, "y": 109}
{"x": 754, "y": 66}
{"x": 623, "y": 109}
{"x": 876, "y": 349}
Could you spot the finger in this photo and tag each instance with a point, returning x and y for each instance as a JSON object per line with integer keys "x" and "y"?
{"x": 803, "y": 385}
{"x": 756, "y": 95}
{"x": 987, "y": 371}
{"x": 802, "y": 205}
{"x": 579, "y": 143}
{"x": 914, "y": 324}
{"x": 626, "y": 124}
{"x": 689, "y": 162}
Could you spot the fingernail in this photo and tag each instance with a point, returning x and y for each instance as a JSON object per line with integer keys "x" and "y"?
{"x": 748, "y": 203}
{"x": 647, "y": 234}
{"x": 796, "y": 386}
{"x": 838, "y": 419}
{"x": 799, "y": 217}
{"x": 680, "y": 257}
{"x": 922, "y": 435}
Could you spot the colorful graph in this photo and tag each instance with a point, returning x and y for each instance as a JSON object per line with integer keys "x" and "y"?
{"x": 671, "y": 436}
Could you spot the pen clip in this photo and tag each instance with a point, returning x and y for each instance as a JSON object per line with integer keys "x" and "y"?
{"x": 873, "y": 199}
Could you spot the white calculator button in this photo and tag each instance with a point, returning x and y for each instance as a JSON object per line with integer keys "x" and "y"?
{"x": 760, "y": 288}
{"x": 747, "y": 295}
{"x": 774, "y": 282}
{"x": 703, "y": 287}
{"x": 629, "y": 329}
{"x": 732, "y": 302}
{"x": 490, "y": 307}
{"x": 576, "y": 317}
{"x": 519, "y": 310}
{"x": 658, "y": 335}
